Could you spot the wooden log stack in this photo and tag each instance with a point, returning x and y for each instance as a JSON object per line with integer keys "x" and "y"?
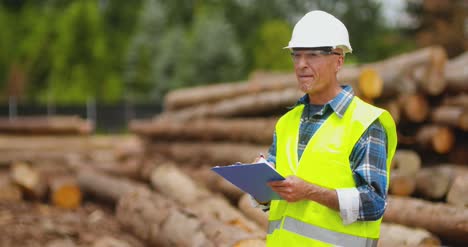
{"x": 159, "y": 188}
{"x": 44, "y": 125}
{"x": 423, "y": 90}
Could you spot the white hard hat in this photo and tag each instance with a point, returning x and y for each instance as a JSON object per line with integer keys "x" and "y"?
{"x": 320, "y": 29}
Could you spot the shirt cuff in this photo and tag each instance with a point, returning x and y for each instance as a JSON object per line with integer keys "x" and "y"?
{"x": 348, "y": 200}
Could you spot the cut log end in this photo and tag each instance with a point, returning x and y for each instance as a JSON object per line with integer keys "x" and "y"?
{"x": 434, "y": 81}
{"x": 67, "y": 196}
{"x": 443, "y": 141}
{"x": 370, "y": 83}
{"x": 415, "y": 107}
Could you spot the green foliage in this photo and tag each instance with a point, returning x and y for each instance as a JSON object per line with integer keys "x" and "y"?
{"x": 71, "y": 51}
{"x": 164, "y": 57}
{"x": 79, "y": 57}
{"x": 273, "y": 36}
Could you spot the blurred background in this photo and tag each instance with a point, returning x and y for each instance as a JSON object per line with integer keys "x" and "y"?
{"x": 112, "y": 113}
{"x": 124, "y": 56}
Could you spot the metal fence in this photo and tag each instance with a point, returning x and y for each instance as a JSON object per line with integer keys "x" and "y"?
{"x": 107, "y": 118}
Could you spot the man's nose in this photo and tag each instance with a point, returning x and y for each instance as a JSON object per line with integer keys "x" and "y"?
{"x": 301, "y": 62}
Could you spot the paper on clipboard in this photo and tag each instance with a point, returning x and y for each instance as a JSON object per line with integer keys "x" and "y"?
{"x": 252, "y": 179}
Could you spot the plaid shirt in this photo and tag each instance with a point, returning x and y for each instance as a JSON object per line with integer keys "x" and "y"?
{"x": 367, "y": 159}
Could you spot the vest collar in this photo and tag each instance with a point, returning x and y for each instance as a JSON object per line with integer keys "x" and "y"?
{"x": 339, "y": 104}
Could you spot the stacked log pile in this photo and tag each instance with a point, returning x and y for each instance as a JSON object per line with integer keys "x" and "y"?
{"x": 157, "y": 189}
{"x": 41, "y": 201}
{"x": 426, "y": 93}
{"x": 45, "y": 125}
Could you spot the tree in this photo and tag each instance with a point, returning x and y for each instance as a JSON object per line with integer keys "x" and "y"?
{"x": 273, "y": 36}
{"x": 80, "y": 58}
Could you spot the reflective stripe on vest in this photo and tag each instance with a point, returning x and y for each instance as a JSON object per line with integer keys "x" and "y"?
{"x": 320, "y": 234}
{"x": 272, "y": 225}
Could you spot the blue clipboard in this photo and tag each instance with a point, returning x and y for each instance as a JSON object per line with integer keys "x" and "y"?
{"x": 252, "y": 179}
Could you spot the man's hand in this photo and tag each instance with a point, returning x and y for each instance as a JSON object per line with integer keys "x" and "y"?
{"x": 293, "y": 189}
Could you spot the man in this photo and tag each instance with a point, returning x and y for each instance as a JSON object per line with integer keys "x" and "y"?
{"x": 333, "y": 149}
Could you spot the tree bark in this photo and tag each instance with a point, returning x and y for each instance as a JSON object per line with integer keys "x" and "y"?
{"x": 457, "y": 195}
{"x": 158, "y": 220}
{"x": 255, "y": 214}
{"x": 415, "y": 107}
{"x": 174, "y": 184}
{"x": 401, "y": 185}
{"x": 9, "y": 192}
{"x": 57, "y": 125}
{"x": 434, "y": 182}
{"x": 457, "y": 100}
{"x": 438, "y": 138}
{"x": 399, "y": 73}
{"x": 258, "y": 83}
{"x": 213, "y": 182}
{"x": 214, "y": 153}
{"x": 397, "y": 235}
{"x": 446, "y": 221}
{"x": 105, "y": 187}
{"x": 457, "y": 74}
{"x": 256, "y": 130}
{"x": 454, "y": 116}
{"x": 30, "y": 180}
{"x": 245, "y": 105}
{"x": 406, "y": 162}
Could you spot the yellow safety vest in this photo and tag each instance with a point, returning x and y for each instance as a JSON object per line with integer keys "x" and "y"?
{"x": 324, "y": 162}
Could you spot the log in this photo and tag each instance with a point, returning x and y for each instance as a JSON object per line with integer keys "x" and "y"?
{"x": 257, "y": 130}
{"x": 255, "y": 214}
{"x": 406, "y": 162}
{"x": 434, "y": 182}
{"x": 432, "y": 79}
{"x": 447, "y": 222}
{"x": 397, "y": 235}
{"x": 215, "y": 153}
{"x": 399, "y": 74}
{"x": 258, "y": 82}
{"x": 454, "y": 116}
{"x": 245, "y": 105}
{"x": 9, "y": 192}
{"x": 56, "y": 125}
{"x": 415, "y": 107}
{"x": 161, "y": 222}
{"x": 150, "y": 216}
{"x": 108, "y": 241}
{"x": 457, "y": 195}
{"x": 458, "y": 154}
{"x": 457, "y": 100}
{"x": 65, "y": 192}
{"x": 213, "y": 182}
{"x": 371, "y": 83}
{"x": 30, "y": 180}
{"x": 174, "y": 184}
{"x": 105, "y": 187}
{"x": 441, "y": 139}
{"x": 457, "y": 74}
{"x": 401, "y": 184}
{"x": 405, "y": 166}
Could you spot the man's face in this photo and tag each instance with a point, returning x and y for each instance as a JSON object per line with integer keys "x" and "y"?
{"x": 316, "y": 69}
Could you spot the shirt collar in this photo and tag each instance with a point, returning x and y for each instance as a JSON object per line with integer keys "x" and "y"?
{"x": 339, "y": 104}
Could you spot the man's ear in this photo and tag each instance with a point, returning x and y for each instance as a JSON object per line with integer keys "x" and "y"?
{"x": 339, "y": 63}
